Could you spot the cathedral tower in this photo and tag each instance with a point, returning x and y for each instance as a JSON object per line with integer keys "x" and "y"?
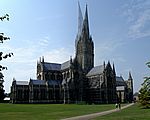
{"x": 130, "y": 87}
{"x": 84, "y": 44}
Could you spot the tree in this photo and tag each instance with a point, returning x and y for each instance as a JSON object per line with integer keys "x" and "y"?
{"x": 3, "y": 56}
{"x": 144, "y": 93}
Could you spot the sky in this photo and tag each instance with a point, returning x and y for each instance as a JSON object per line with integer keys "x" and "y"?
{"x": 120, "y": 30}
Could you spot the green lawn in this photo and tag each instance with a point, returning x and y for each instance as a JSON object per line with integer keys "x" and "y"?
{"x": 47, "y": 111}
{"x": 132, "y": 113}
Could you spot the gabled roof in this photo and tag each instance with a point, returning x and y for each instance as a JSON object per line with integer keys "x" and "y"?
{"x": 22, "y": 83}
{"x": 55, "y": 66}
{"x": 65, "y": 65}
{"x": 96, "y": 70}
{"x": 51, "y": 66}
{"x": 120, "y": 81}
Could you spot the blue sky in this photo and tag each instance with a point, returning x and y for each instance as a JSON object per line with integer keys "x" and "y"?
{"x": 120, "y": 30}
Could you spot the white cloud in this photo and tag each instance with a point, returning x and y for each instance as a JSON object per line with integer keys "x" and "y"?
{"x": 141, "y": 26}
{"x": 138, "y": 15}
{"x": 44, "y": 42}
{"x": 58, "y": 55}
{"x": 105, "y": 50}
{"x": 22, "y": 65}
{"x": 108, "y": 46}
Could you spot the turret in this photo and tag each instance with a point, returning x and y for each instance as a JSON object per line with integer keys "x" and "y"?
{"x": 104, "y": 65}
{"x": 42, "y": 59}
{"x": 130, "y": 81}
{"x": 130, "y": 87}
{"x": 114, "y": 71}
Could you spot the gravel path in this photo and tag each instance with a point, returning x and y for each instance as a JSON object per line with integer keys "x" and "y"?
{"x": 91, "y": 116}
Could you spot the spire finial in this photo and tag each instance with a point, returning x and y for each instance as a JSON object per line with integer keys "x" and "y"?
{"x": 42, "y": 59}
{"x": 80, "y": 19}
{"x": 14, "y": 79}
{"x": 70, "y": 59}
{"x": 114, "y": 71}
{"x": 130, "y": 76}
{"x": 86, "y": 23}
{"x": 104, "y": 64}
{"x": 80, "y": 24}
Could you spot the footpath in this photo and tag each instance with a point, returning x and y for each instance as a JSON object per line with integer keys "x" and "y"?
{"x": 94, "y": 115}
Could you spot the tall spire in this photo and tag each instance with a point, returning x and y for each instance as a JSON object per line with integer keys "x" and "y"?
{"x": 130, "y": 77}
{"x": 42, "y": 59}
{"x": 86, "y": 22}
{"x": 80, "y": 24}
{"x": 80, "y": 19}
{"x": 114, "y": 71}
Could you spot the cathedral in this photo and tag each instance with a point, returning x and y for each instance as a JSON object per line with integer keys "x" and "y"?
{"x": 76, "y": 80}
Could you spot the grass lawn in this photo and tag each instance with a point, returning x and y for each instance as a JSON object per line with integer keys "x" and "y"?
{"x": 47, "y": 111}
{"x": 132, "y": 113}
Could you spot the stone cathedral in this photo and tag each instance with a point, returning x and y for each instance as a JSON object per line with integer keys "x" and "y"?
{"x": 76, "y": 80}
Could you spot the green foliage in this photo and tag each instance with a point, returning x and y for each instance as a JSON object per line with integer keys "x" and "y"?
{"x": 2, "y": 95}
{"x": 2, "y": 56}
{"x": 144, "y": 93}
{"x": 6, "y": 16}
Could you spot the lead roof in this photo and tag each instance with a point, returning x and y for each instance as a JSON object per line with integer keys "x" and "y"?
{"x": 65, "y": 65}
{"x": 22, "y": 83}
{"x": 96, "y": 70}
{"x": 51, "y": 66}
{"x": 43, "y": 82}
{"x": 120, "y": 81}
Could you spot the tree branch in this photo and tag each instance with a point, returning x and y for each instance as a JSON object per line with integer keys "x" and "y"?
{"x": 6, "y": 16}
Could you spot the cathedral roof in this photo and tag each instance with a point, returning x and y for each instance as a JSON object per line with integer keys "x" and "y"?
{"x": 56, "y": 66}
{"x": 43, "y": 82}
{"x": 120, "y": 81}
{"x": 37, "y": 82}
{"x": 51, "y": 66}
{"x": 96, "y": 70}
{"x": 54, "y": 82}
{"x": 22, "y": 83}
{"x": 65, "y": 65}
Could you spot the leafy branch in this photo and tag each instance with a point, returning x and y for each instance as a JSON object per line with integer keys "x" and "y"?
{"x": 2, "y": 37}
{"x": 6, "y": 16}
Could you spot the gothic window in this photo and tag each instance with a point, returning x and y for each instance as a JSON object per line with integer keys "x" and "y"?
{"x": 57, "y": 94}
{"x": 103, "y": 86}
{"x": 68, "y": 74}
{"x": 103, "y": 95}
{"x": 59, "y": 76}
{"x": 38, "y": 68}
{"x": 53, "y": 76}
{"x": 26, "y": 94}
{"x": 76, "y": 74}
{"x": 49, "y": 76}
{"x": 39, "y": 77}
{"x": 19, "y": 94}
{"x": 50, "y": 94}
{"x": 46, "y": 76}
{"x": 36, "y": 93}
{"x": 43, "y": 94}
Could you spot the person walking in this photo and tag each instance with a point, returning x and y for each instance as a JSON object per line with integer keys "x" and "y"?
{"x": 119, "y": 105}
{"x": 116, "y": 105}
